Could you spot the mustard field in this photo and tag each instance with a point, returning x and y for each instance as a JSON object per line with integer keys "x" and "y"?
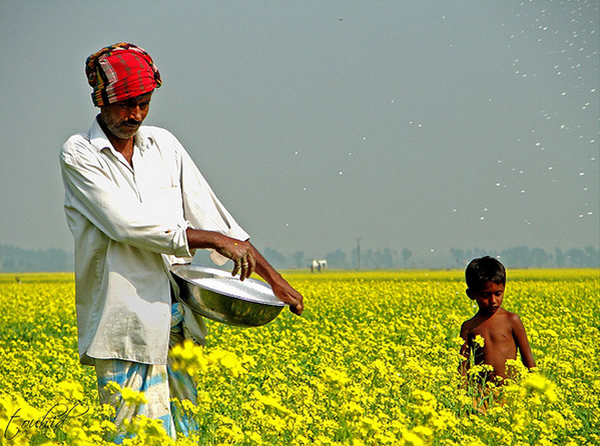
{"x": 373, "y": 361}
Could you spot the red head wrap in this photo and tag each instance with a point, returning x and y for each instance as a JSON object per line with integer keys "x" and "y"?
{"x": 120, "y": 71}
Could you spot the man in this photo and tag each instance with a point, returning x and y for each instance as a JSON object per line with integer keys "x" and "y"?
{"x": 136, "y": 204}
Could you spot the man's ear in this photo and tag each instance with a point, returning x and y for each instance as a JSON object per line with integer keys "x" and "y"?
{"x": 470, "y": 294}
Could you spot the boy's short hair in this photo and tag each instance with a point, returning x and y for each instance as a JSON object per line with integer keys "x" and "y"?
{"x": 483, "y": 270}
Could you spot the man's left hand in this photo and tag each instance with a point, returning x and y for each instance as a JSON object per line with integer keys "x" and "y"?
{"x": 289, "y": 295}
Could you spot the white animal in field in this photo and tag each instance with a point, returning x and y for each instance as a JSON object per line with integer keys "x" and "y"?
{"x": 318, "y": 265}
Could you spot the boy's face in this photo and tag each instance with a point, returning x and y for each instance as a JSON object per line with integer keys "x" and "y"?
{"x": 489, "y": 297}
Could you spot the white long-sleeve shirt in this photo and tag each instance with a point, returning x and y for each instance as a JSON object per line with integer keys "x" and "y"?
{"x": 129, "y": 224}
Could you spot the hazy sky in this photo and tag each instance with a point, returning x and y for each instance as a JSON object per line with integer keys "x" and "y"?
{"x": 423, "y": 125}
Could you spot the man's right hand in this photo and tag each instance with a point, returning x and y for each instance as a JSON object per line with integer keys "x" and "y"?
{"x": 242, "y": 256}
{"x": 241, "y": 253}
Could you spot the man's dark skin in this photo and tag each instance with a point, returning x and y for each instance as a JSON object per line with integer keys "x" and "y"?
{"x": 120, "y": 121}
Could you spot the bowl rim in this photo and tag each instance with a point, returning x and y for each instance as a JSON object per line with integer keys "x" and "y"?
{"x": 223, "y": 274}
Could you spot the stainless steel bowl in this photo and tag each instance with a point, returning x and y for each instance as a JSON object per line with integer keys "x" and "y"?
{"x": 219, "y": 296}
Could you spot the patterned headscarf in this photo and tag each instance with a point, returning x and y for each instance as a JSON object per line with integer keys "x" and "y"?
{"x": 120, "y": 71}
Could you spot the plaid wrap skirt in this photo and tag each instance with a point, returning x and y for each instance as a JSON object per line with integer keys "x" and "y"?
{"x": 159, "y": 383}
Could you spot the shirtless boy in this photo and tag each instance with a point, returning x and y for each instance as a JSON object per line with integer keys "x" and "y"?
{"x": 502, "y": 331}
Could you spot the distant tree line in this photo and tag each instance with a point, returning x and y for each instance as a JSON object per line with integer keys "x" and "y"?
{"x": 15, "y": 259}
{"x": 523, "y": 257}
{"x": 387, "y": 258}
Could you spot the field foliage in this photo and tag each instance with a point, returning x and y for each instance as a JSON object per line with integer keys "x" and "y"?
{"x": 373, "y": 361}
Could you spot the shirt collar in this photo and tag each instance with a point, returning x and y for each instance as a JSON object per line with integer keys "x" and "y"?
{"x": 97, "y": 136}
{"x": 143, "y": 139}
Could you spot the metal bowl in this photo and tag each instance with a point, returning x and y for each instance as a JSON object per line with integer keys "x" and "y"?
{"x": 217, "y": 295}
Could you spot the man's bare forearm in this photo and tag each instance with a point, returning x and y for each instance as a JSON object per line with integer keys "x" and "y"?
{"x": 199, "y": 239}
{"x": 263, "y": 267}
{"x": 282, "y": 289}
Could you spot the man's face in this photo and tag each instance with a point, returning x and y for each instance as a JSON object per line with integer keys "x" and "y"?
{"x": 489, "y": 298}
{"x": 124, "y": 118}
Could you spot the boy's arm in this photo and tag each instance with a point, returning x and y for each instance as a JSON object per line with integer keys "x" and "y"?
{"x": 465, "y": 352}
{"x": 522, "y": 343}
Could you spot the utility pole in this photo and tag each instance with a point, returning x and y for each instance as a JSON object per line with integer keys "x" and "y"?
{"x": 358, "y": 251}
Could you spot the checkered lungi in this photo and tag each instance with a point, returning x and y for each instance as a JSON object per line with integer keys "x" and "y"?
{"x": 159, "y": 382}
